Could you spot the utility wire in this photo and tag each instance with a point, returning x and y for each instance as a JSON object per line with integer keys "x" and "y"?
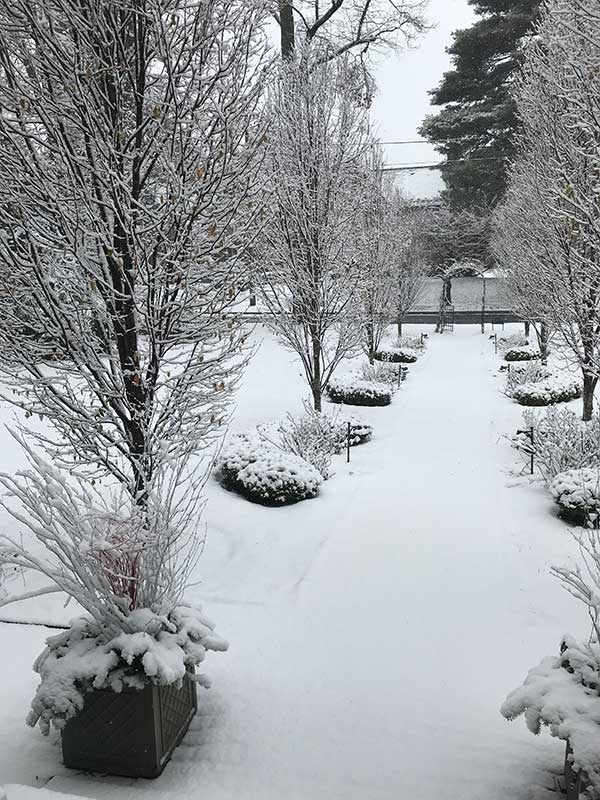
{"x": 421, "y": 165}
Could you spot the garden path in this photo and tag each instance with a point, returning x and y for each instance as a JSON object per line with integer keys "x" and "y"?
{"x": 374, "y": 630}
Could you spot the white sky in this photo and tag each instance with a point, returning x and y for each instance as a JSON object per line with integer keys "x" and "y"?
{"x": 402, "y": 101}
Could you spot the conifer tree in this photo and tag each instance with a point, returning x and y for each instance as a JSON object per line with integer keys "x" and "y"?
{"x": 474, "y": 130}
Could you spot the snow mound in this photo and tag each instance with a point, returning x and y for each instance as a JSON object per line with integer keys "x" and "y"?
{"x": 157, "y": 650}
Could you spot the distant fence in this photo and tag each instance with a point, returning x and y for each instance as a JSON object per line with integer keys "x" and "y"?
{"x": 491, "y": 317}
{"x": 496, "y": 317}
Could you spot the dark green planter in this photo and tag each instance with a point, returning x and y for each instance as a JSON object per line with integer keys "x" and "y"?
{"x": 130, "y": 733}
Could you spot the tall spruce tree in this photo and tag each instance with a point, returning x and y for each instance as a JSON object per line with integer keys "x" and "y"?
{"x": 475, "y": 129}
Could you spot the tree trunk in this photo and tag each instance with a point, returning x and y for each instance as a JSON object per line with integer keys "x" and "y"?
{"x": 448, "y": 291}
{"x": 370, "y": 337}
{"x": 527, "y": 326}
{"x": 543, "y": 342}
{"x": 286, "y": 23}
{"x": 316, "y": 371}
{"x": 589, "y": 387}
{"x": 317, "y": 398}
{"x": 399, "y": 324}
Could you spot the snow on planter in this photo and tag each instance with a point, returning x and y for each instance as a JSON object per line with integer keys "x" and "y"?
{"x": 547, "y": 392}
{"x": 562, "y": 693}
{"x": 395, "y": 355}
{"x": 521, "y": 354}
{"x": 155, "y": 650}
{"x": 577, "y": 493}
{"x": 355, "y": 391}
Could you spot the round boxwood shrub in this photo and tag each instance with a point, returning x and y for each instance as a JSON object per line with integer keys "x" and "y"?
{"x": 276, "y": 478}
{"x": 240, "y": 451}
{"x": 265, "y": 474}
{"x": 521, "y": 354}
{"x": 395, "y": 355}
{"x": 546, "y": 392}
{"x": 577, "y": 493}
{"x": 360, "y": 431}
{"x": 354, "y": 391}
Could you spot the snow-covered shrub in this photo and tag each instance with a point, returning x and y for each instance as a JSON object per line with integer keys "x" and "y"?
{"x": 561, "y": 441}
{"x": 521, "y": 354}
{"x": 577, "y": 494}
{"x": 277, "y": 478}
{"x": 547, "y": 392}
{"x": 360, "y": 431}
{"x": 511, "y": 340}
{"x": 563, "y": 694}
{"x": 314, "y": 436}
{"x": 383, "y": 372}
{"x": 241, "y": 450}
{"x": 523, "y": 373}
{"x": 395, "y": 355}
{"x": 412, "y": 342}
{"x": 352, "y": 390}
{"x": 153, "y": 649}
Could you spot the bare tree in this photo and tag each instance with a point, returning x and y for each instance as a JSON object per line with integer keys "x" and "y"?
{"x": 521, "y": 245}
{"x": 409, "y": 272}
{"x": 129, "y": 169}
{"x": 554, "y": 184}
{"x": 318, "y": 141}
{"x": 349, "y": 26}
{"x": 376, "y": 243}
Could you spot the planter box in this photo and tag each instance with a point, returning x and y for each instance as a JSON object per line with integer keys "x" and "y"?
{"x": 574, "y": 781}
{"x": 131, "y": 733}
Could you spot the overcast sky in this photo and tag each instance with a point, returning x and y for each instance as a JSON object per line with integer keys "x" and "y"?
{"x": 402, "y": 101}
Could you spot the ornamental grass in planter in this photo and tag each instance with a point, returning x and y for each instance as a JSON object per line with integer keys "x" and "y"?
{"x": 120, "y": 682}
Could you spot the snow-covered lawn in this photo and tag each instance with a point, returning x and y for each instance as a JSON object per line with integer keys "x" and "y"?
{"x": 374, "y": 630}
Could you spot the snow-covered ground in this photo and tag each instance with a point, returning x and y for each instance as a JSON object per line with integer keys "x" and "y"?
{"x": 374, "y": 630}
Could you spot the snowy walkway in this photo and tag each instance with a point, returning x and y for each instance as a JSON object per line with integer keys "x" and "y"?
{"x": 374, "y": 631}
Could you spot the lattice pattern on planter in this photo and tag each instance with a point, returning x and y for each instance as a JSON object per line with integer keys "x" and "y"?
{"x": 132, "y": 733}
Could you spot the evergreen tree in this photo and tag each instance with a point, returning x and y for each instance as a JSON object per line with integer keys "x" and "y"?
{"x": 475, "y": 129}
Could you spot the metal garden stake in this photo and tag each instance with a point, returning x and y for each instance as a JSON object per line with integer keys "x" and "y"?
{"x": 348, "y": 445}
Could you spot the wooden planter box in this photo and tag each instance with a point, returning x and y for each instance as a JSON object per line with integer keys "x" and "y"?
{"x": 574, "y": 781}
{"x": 131, "y": 733}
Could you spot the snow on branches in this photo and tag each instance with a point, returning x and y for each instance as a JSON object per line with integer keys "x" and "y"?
{"x": 318, "y": 141}
{"x": 547, "y": 237}
{"x": 130, "y": 170}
